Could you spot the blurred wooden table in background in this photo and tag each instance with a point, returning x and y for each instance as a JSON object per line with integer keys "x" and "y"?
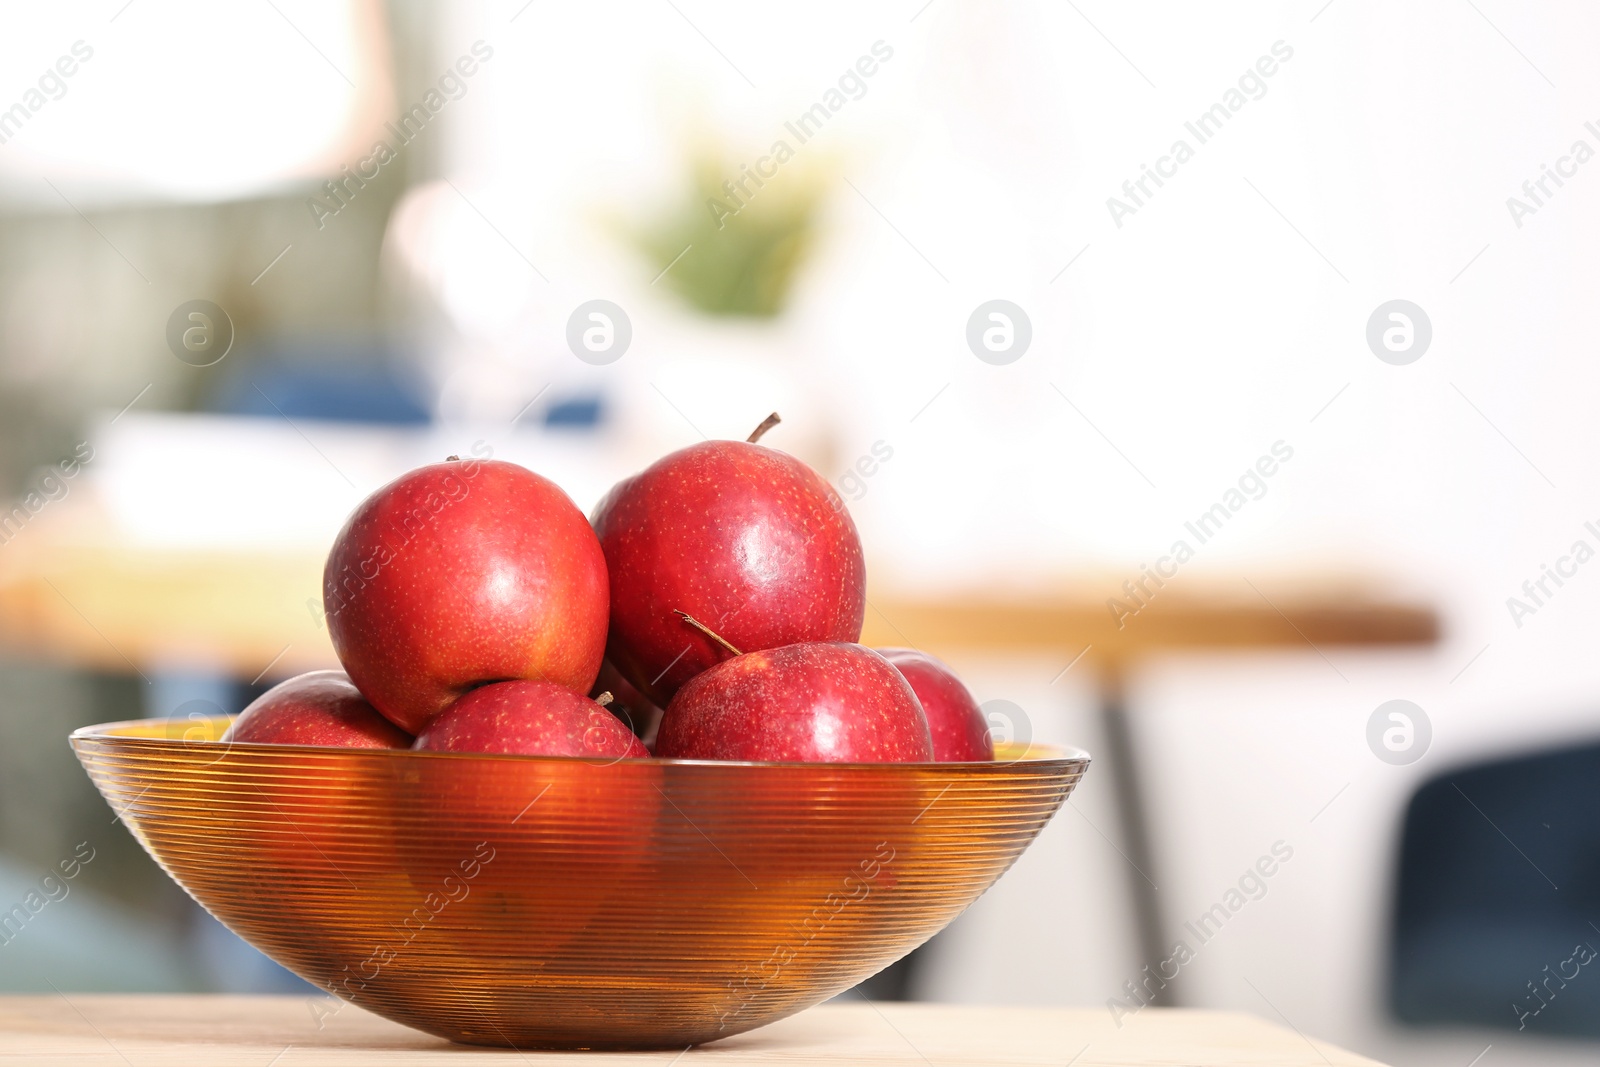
{"x": 70, "y": 592}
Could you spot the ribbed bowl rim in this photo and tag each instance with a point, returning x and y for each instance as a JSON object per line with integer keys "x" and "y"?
{"x": 134, "y": 735}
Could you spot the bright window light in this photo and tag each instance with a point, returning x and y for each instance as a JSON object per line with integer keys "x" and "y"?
{"x": 186, "y": 101}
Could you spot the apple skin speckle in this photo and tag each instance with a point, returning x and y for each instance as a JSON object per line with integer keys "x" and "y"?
{"x": 745, "y": 538}
{"x": 813, "y": 702}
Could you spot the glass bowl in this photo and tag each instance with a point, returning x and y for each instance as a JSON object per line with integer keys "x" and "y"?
{"x": 545, "y": 902}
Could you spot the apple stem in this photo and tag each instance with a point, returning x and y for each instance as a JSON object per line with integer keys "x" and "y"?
{"x": 709, "y": 632}
{"x": 755, "y": 435}
{"x": 452, "y": 459}
{"x": 604, "y": 699}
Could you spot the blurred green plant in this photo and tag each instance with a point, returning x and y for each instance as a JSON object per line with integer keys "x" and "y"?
{"x": 736, "y": 243}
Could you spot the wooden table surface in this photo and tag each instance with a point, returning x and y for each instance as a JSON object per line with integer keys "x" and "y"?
{"x": 234, "y": 1031}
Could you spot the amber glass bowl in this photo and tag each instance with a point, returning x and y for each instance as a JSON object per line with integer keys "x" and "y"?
{"x": 541, "y": 902}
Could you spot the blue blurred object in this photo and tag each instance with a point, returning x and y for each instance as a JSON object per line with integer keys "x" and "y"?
{"x": 345, "y": 379}
{"x": 1482, "y": 935}
{"x": 575, "y": 412}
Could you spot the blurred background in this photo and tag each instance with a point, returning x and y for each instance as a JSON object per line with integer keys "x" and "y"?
{"x": 1210, "y": 388}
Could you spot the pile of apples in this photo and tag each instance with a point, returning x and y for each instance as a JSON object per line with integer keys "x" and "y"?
{"x": 711, "y": 610}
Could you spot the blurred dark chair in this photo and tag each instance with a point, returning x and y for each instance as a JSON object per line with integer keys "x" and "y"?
{"x": 1497, "y": 918}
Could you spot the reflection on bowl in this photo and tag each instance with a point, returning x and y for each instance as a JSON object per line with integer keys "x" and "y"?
{"x": 543, "y": 902}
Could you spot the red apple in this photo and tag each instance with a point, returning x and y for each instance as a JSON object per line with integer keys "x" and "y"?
{"x": 463, "y": 573}
{"x": 826, "y": 702}
{"x": 635, "y": 709}
{"x": 319, "y": 708}
{"x": 960, "y": 730}
{"x": 530, "y": 719}
{"x": 745, "y": 538}
{"x": 301, "y": 828}
{"x": 564, "y": 834}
